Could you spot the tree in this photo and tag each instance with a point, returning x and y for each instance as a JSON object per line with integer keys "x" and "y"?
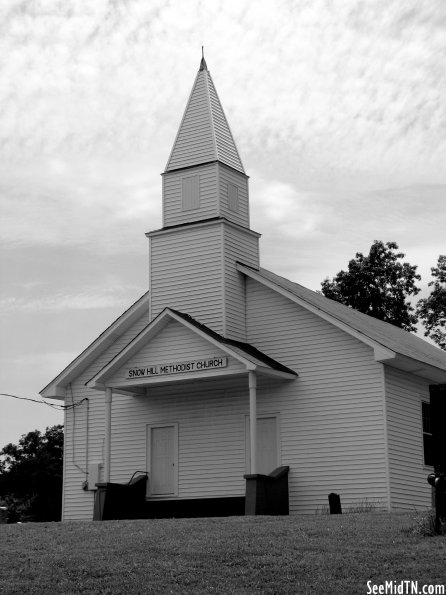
{"x": 31, "y": 476}
{"x": 432, "y": 310}
{"x": 378, "y": 285}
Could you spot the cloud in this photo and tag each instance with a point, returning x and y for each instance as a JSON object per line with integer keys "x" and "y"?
{"x": 352, "y": 86}
{"x": 290, "y": 212}
{"x": 329, "y": 103}
{"x": 65, "y": 201}
{"x": 63, "y": 302}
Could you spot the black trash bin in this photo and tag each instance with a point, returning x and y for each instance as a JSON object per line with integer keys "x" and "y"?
{"x": 117, "y": 501}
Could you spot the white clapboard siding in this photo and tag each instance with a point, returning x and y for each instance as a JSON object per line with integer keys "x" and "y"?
{"x": 195, "y": 142}
{"x": 239, "y": 245}
{"x": 173, "y": 344}
{"x": 211, "y": 435}
{"x": 77, "y": 504}
{"x": 226, "y": 147}
{"x": 332, "y": 418}
{"x": 405, "y": 393}
{"x": 193, "y": 270}
{"x": 225, "y": 176}
{"x": 173, "y": 213}
{"x": 210, "y": 414}
{"x": 211, "y": 423}
{"x": 186, "y": 273}
{"x": 213, "y": 186}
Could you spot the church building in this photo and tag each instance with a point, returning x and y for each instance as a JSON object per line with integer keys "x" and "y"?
{"x": 225, "y": 379}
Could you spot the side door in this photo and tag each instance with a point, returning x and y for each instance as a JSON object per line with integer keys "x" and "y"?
{"x": 267, "y": 444}
{"x": 162, "y": 458}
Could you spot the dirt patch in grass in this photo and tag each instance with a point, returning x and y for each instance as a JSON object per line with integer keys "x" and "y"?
{"x": 317, "y": 555}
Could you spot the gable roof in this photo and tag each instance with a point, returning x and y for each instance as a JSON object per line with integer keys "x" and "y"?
{"x": 56, "y": 388}
{"x": 252, "y": 358}
{"x": 243, "y": 349}
{"x": 204, "y": 134}
{"x": 392, "y": 345}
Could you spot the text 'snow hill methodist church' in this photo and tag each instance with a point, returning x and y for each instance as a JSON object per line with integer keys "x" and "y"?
{"x": 224, "y": 372}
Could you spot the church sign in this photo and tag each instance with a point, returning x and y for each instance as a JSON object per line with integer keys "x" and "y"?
{"x": 211, "y": 363}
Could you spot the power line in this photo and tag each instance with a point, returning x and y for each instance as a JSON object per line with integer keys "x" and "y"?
{"x": 43, "y": 402}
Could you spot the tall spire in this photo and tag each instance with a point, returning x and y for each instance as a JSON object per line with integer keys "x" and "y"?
{"x": 204, "y": 134}
{"x": 203, "y": 65}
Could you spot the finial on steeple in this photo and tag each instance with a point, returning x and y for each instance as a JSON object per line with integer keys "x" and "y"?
{"x": 203, "y": 65}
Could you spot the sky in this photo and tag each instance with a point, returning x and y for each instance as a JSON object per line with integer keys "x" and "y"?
{"x": 337, "y": 108}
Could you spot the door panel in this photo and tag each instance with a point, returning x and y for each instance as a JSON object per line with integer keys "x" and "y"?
{"x": 266, "y": 445}
{"x": 162, "y": 461}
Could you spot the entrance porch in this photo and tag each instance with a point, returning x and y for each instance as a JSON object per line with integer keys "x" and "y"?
{"x": 196, "y": 412}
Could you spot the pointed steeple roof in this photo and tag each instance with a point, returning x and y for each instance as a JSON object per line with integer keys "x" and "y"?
{"x": 204, "y": 134}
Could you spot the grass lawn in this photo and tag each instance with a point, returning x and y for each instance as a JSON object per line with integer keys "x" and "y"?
{"x": 318, "y": 554}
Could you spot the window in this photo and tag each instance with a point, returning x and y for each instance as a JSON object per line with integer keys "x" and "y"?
{"x": 428, "y": 446}
{"x": 191, "y": 193}
{"x": 232, "y": 197}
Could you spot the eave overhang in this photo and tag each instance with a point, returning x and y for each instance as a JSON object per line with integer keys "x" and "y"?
{"x": 57, "y": 387}
{"x": 249, "y": 357}
{"x": 201, "y": 223}
{"x": 382, "y": 353}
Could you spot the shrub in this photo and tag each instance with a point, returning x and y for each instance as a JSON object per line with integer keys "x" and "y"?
{"x": 424, "y": 524}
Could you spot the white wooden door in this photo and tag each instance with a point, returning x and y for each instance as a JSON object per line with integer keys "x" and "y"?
{"x": 266, "y": 445}
{"x": 162, "y": 461}
{"x": 267, "y": 458}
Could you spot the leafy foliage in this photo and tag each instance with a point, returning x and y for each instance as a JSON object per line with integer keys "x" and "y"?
{"x": 31, "y": 476}
{"x": 378, "y": 284}
{"x": 432, "y": 310}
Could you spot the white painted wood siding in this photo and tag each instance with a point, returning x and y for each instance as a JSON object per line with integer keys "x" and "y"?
{"x": 226, "y": 148}
{"x": 211, "y": 437}
{"x": 195, "y": 141}
{"x": 332, "y": 418}
{"x": 80, "y": 435}
{"x": 175, "y": 343}
{"x": 239, "y": 245}
{"x": 408, "y": 474}
{"x": 193, "y": 269}
{"x": 225, "y": 176}
{"x": 186, "y": 273}
{"x": 214, "y": 178}
{"x": 173, "y": 213}
{"x": 211, "y": 432}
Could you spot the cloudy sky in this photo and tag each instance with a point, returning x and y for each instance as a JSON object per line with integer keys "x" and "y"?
{"x": 337, "y": 107}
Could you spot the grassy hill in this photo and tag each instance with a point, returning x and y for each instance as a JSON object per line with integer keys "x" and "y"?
{"x": 318, "y": 554}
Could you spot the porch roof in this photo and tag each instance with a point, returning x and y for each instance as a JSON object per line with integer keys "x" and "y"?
{"x": 251, "y": 358}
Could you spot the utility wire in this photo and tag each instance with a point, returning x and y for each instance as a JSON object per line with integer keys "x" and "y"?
{"x": 43, "y": 402}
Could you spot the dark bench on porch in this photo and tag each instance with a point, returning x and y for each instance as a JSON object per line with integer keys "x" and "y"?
{"x": 265, "y": 495}
{"x": 118, "y": 501}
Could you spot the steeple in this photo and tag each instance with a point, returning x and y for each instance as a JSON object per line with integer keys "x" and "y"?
{"x": 204, "y": 134}
{"x": 205, "y": 233}
{"x": 204, "y": 177}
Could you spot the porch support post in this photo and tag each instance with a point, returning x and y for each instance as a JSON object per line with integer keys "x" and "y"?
{"x": 107, "y": 445}
{"x": 253, "y": 421}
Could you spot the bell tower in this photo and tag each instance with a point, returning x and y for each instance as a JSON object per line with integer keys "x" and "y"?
{"x": 205, "y": 219}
